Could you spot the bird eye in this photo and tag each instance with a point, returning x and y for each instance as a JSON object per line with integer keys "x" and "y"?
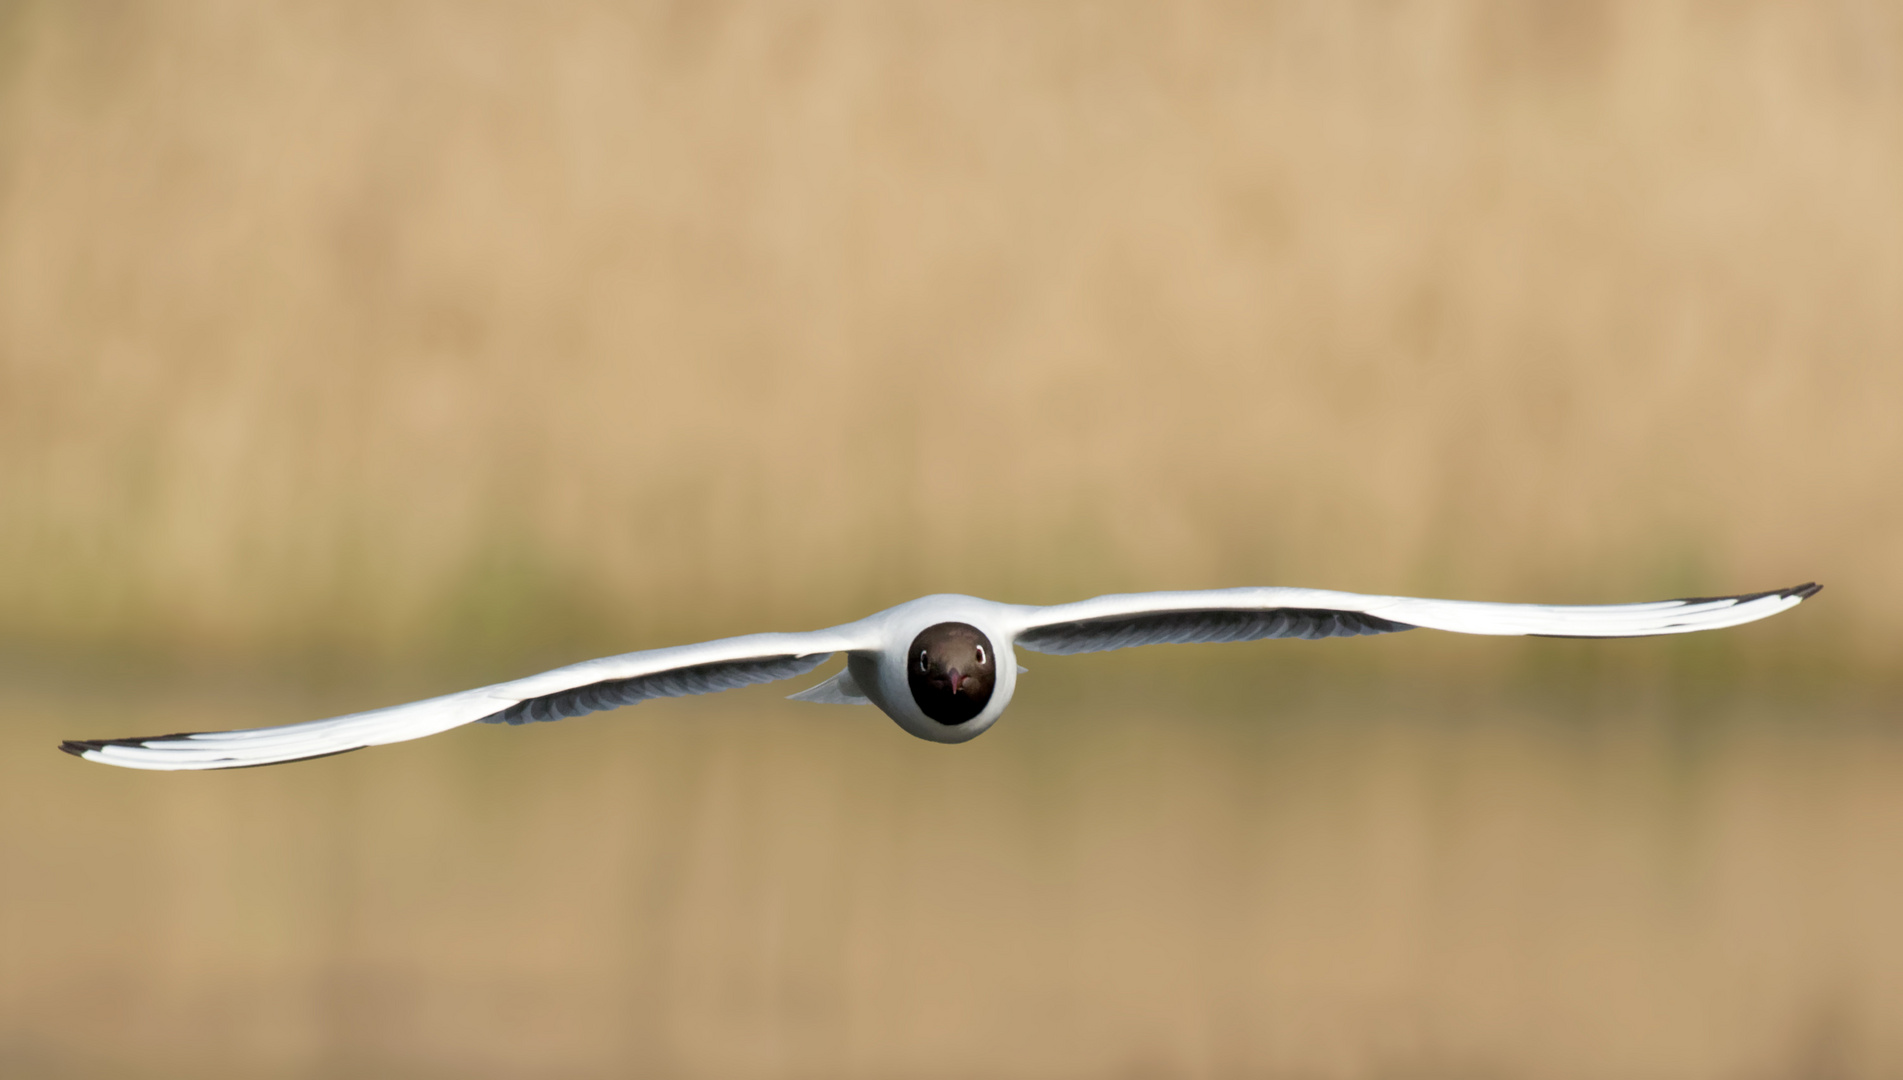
{"x": 981, "y": 654}
{"x": 921, "y": 659}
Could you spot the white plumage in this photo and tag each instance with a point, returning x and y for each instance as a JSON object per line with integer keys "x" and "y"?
{"x": 967, "y": 644}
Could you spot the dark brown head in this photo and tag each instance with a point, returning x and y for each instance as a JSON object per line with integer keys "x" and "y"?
{"x": 951, "y": 670}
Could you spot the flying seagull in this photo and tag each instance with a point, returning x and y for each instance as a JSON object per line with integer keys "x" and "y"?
{"x": 943, "y": 666}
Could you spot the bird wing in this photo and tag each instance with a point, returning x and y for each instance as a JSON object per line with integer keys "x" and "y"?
{"x": 1119, "y": 622}
{"x": 574, "y": 690}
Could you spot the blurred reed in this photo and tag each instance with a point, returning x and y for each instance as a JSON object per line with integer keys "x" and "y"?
{"x": 424, "y": 332}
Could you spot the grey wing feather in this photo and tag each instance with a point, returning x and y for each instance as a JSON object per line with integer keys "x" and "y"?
{"x": 1204, "y": 626}
{"x": 675, "y": 682}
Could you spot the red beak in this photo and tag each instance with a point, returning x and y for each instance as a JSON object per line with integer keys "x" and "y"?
{"x": 957, "y": 677}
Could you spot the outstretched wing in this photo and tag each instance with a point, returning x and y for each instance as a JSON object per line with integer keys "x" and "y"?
{"x": 1119, "y": 622}
{"x": 553, "y": 695}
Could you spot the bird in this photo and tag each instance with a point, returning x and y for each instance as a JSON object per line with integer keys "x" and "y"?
{"x": 943, "y": 666}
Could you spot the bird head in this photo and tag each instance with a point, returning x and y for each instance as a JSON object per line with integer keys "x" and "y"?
{"x": 951, "y": 670}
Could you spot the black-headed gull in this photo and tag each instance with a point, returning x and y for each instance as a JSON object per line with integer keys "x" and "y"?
{"x": 943, "y": 666}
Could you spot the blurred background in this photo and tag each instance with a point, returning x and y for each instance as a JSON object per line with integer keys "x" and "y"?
{"x": 357, "y": 352}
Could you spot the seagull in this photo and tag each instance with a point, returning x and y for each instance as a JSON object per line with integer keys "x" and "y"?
{"x": 944, "y": 667}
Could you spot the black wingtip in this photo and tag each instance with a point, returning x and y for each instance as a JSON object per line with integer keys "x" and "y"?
{"x": 78, "y": 747}
{"x": 1802, "y": 592}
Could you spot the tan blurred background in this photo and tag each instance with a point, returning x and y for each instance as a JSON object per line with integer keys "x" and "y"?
{"x": 352, "y": 352}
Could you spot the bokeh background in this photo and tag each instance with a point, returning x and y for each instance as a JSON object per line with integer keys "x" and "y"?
{"x": 352, "y": 352}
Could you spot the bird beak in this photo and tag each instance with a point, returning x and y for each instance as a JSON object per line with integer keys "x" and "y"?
{"x": 957, "y": 677}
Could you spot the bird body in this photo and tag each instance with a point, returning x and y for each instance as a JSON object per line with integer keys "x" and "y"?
{"x": 943, "y": 666}
{"x": 882, "y": 673}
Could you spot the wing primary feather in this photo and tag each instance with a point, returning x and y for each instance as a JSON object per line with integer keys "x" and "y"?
{"x": 1802, "y": 592}
{"x": 80, "y": 747}
{"x": 1706, "y": 604}
{"x": 287, "y": 761}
